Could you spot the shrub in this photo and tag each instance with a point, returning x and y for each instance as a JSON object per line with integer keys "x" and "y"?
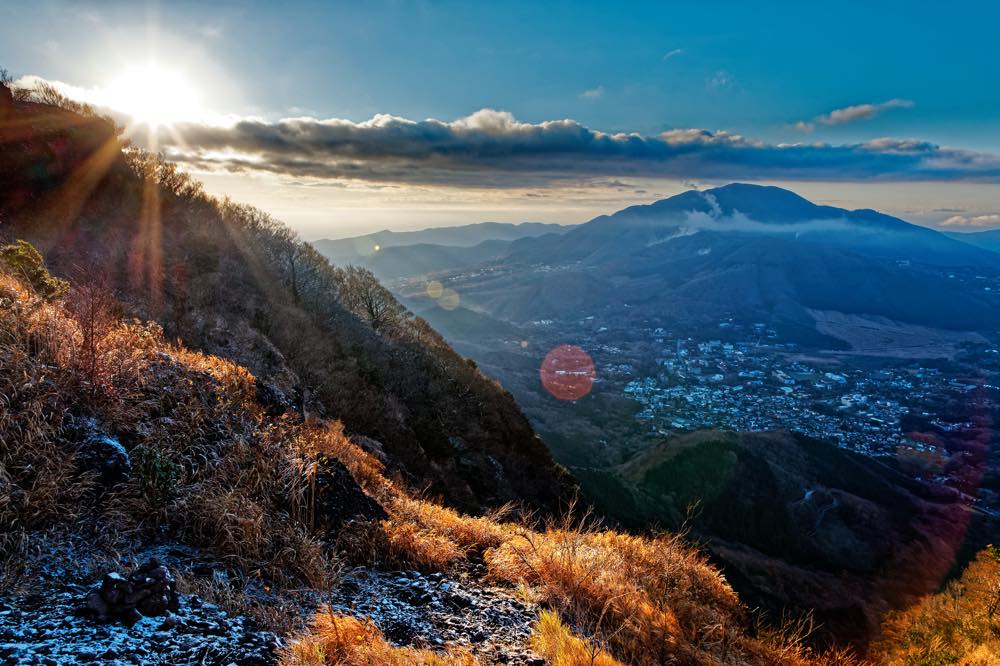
{"x": 26, "y": 263}
{"x": 157, "y": 473}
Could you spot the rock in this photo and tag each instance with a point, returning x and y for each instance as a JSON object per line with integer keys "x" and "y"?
{"x": 100, "y": 453}
{"x": 339, "y": 498}
{"x": 371, "y": 446}
{"x": 150, "y": 590}
{"x": 271, "y": 398}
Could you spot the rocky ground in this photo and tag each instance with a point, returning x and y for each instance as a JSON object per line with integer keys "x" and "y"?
{"x": 46, "y": 630}
{"x": 44, "y": 625}
{"x": 430, "y": 611}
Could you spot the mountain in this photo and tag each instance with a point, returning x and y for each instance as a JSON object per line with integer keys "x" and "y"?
{"x": 391, "y": 254}
{"x": 465, "y": 235}
{"x": 988, "y": 240}
{"x": 402, "y": 261}
{"x": 744, "y": 251}
{"x": 284, "y": 449}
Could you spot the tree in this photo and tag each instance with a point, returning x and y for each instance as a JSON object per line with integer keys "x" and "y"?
{"x": 362, "y": 294}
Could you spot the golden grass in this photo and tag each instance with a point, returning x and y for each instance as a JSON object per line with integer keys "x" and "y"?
{"x": 207, "y": 464}
{"x": 342, "y": 640}
{"x": 651, "y": 599}
{"x": 556, "y": 644}
{"x": 218, "y": 473}
{"x": 960, "y": 625}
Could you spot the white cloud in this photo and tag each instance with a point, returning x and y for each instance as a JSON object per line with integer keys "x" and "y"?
{"x": 593, "y": 93}
{"x": 987, "y": 220}
{"x": 850, "y": 114}
{"x": 673, "y": 54}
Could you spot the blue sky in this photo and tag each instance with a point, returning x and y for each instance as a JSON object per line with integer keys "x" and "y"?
{"x": 776, "y": 74}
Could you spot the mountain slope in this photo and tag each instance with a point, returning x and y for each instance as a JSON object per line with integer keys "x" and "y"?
{"x": 850, "y": 536}
{"x": 133, "y": 441}
{"x": 230, "y": 280}
{"x": 757, "y": 253}
{"x": 988, "y": 240}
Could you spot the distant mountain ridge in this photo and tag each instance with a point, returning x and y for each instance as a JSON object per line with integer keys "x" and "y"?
{"x": 465, "y": 235}
{"x": 393, "y": 254}
{"x": 988, "y": 240}
{"x": 741, "y": 250}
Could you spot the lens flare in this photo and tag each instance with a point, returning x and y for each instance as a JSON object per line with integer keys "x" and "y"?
{"x": 449, "y": 299}
{"x": 568, "y": 372}
{"x": 435, "y": 289}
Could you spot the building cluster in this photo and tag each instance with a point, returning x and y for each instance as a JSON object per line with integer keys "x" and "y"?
{"x": 764, "y": 384}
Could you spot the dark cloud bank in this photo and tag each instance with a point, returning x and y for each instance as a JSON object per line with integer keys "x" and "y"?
{"x": 492, "y": 149}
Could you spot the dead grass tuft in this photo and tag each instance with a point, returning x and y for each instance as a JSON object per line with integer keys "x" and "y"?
{"x": 342, "y": 640}
{"x": 557, "y": 645}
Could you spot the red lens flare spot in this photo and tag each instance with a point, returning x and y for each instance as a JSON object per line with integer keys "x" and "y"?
{"x": 568, "y": 372}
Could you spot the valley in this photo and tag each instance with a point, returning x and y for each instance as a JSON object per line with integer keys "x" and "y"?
{"x": 702, "y": 333}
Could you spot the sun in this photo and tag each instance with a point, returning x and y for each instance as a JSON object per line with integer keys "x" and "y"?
{"x": 153, "y": 95}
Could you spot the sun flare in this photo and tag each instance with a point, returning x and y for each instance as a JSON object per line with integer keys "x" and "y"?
{"x": 153, "y": 95}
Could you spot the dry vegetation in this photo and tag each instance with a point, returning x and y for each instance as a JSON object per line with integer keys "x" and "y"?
{"x": 208, "y": 465}
{"x": 960, "y": 625}
{"x": 347, "y": 641}
{"x": 557, "y": 644}
{"x": 213, "y": 469}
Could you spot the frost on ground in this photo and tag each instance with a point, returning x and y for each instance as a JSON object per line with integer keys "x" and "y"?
{"x": 43, "y": 623}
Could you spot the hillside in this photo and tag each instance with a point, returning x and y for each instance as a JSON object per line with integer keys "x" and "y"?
{"x": 988, "y": 240}
{"x": 849, "y": 536}
{"x": 229, "y": 280}
{"x": 121, "y": 440}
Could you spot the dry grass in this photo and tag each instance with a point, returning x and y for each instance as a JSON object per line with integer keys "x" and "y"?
{"x": 556, "y": 644}
{"x": 208, "y": 465}
{"x": 960, "y": 625}
{"x": 342, "y": 640}
{"x": 215, "y": 471}
{"x": 280, "y": 613}
{"x": 652, "y": 600}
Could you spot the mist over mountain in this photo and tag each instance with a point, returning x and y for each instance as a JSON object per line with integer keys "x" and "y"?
{"x": 743, "y": 251}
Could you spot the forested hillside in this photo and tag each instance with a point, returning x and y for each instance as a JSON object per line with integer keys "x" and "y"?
{"x": 228, "y": 279}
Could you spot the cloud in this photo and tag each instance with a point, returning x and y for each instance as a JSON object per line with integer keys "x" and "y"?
{"x": 987, "y": 220}
{"x": 673, "y": 54}
{"x": 491, "y": 148}
{"x": 593, "y": 93}
{"x": 850, "y": 114}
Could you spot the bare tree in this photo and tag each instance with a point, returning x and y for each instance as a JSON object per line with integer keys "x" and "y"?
{"x": 362, "y": 293}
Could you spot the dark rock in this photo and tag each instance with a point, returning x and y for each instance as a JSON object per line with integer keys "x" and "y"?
{"x": 371, "y": 446}
{"x": 150, "y": 590}
{"x": 338, "y": 498}
{"x": 271, "y": 398}
{"x": 100, "y": 453}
